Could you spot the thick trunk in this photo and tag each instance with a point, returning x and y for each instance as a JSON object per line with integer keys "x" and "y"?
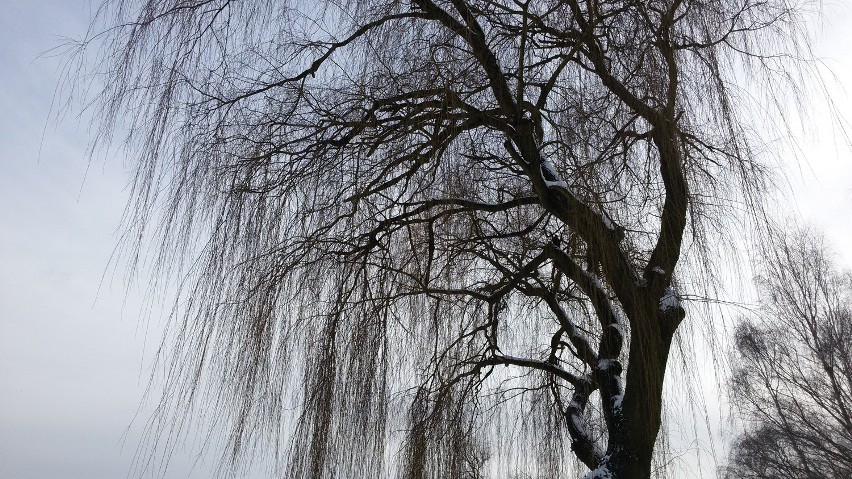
{"x": 631, "y": 440}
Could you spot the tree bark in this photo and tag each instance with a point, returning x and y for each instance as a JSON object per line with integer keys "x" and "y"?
{"x": 633, "y": 435}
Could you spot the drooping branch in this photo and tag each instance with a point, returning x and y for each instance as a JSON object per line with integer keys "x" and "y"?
{"x": 465, "y": 184}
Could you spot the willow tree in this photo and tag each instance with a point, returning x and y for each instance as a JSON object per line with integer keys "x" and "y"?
{"x": 453, "y": 232}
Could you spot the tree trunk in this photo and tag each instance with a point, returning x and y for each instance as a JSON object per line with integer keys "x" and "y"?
{"x": 631, "y": 440}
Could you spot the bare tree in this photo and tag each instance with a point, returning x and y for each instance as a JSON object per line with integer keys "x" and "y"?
{"x": 467, "y": 220}
{"x": 793, "y": 377}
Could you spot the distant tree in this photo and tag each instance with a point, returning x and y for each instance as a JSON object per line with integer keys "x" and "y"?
{"x": 462, "y": 223}
{"x": 792, "y": 382}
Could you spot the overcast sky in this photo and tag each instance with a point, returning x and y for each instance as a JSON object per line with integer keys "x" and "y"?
{"x": 73, "y": 357}
{"x": 74, "y": 363}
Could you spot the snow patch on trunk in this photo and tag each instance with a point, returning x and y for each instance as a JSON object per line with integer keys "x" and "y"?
{"x": 669, "y": 301}
{"x": 599, "y": 473}
{"x": 616, "y": 401}
{"x": 551, "y": 177}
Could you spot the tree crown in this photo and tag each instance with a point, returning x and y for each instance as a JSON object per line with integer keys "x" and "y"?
{"x": 439, "y": 213}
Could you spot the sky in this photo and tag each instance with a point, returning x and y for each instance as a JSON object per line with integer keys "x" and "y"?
{"x": 75, "y": 352}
